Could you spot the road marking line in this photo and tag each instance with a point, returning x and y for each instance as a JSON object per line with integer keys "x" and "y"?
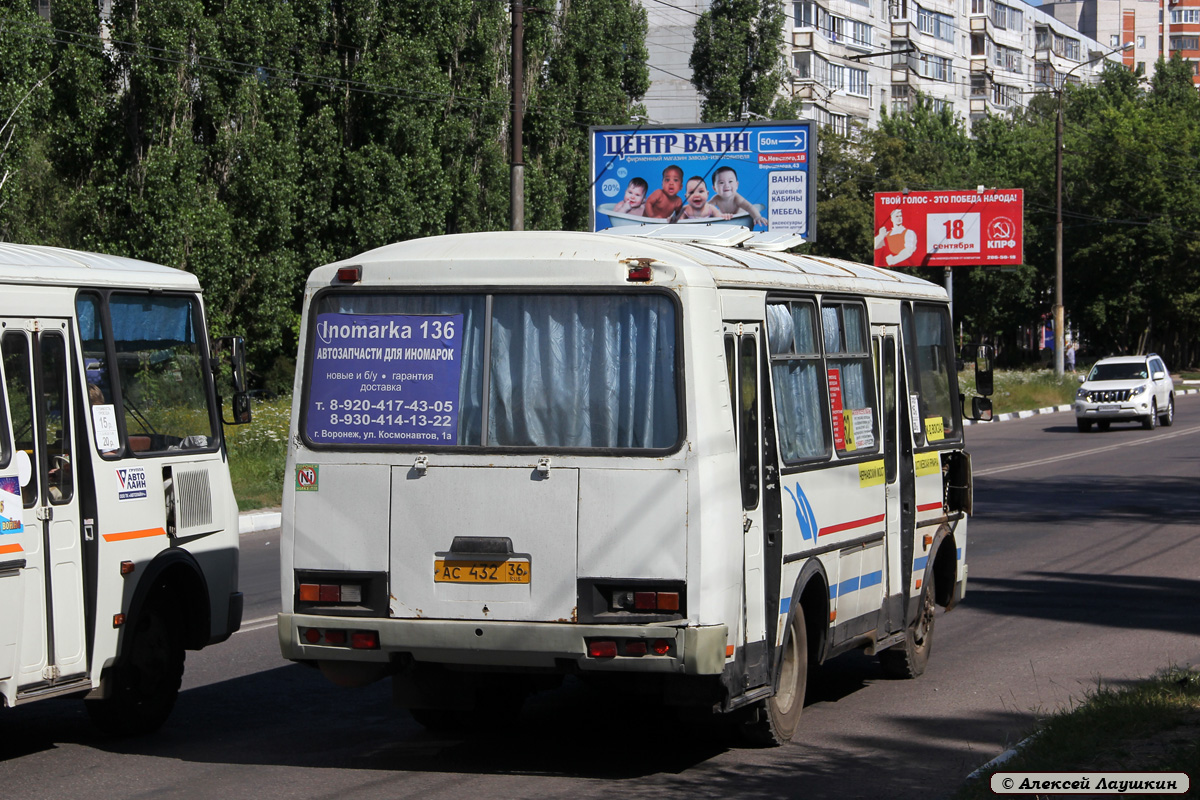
{"x": 257, "y": 624}
{"x": 1085, "y": 453}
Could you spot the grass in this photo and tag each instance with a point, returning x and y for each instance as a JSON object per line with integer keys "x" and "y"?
{"x": 1023, "y": 390}
{"x": 1153, "y": 725}
{"x": 258, "y": 452}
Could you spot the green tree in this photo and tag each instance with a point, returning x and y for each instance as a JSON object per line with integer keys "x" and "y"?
{"x": 737, "y": 62}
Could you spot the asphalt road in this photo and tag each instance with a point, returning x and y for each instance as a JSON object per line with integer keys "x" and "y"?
{"x": 1084, "y": 569}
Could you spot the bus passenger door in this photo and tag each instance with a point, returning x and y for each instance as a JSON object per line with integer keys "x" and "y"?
{"x": 38, "y": 377}
{"x": 742, "y": 365}
{"x": 886, "y": 357}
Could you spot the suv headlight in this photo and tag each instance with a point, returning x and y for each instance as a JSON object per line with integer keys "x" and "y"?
{"x": 1081, "y": 394}
{"x": 1135, "y": 392}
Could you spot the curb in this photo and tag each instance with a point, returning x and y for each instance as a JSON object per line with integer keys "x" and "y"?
{"x": 1046, "y": 410}
{"x": 254, "y": 521}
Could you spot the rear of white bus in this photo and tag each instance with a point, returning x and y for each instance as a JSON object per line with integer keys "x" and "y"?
{"x": 492, "y": 487}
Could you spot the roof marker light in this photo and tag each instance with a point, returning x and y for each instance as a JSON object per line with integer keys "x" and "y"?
{"x": 349, "y": 274}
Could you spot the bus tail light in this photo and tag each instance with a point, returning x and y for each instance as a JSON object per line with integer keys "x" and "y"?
{"x": 364, "y": 640}
{"x": 602, "y": 649}
{"x": 330, "y": 593}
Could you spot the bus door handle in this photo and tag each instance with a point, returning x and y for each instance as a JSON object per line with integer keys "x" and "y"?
{"x": 421, "y": 464}
{"x": 543, "y": 467}
{"x": 89, "y": 530}
{"x": 45, "y": 513}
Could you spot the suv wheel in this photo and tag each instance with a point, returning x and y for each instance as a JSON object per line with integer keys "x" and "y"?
{"x": 1084, "y": 425}
{"x": 1168, "y": 417}
{"x": 1151, "y": 422}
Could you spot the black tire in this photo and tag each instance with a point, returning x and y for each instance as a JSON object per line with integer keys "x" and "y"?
{"x": 1083, "y": 425}
{"x": 1168, "y": 418}
{"x": 440, "y": 720}
{"x": 1103, "y": 424}
{"x": 773, "y": 722}
{"x": 1150, "y": 422}
{"x": 144, "y": 682}
{"x": 908, "y": 659}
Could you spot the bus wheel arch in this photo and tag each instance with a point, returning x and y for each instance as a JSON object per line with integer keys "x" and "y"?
{"x": 167, "y": 614}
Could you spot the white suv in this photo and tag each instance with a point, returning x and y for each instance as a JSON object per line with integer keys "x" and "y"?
{"x": 1126, "y": 389}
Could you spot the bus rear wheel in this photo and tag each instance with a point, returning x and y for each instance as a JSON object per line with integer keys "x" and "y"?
{"x": 773, "y": 721}
{"x": 908, "y": 659}
{"x": 145, "y": 680}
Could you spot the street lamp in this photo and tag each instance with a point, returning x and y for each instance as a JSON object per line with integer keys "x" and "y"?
{"x": 1059, "y": 323}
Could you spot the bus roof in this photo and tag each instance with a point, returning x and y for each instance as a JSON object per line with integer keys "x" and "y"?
{"x": 35, "y": 264}
{"x": 567, "y": 257}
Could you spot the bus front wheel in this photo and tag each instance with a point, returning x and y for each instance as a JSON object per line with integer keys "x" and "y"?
{"x": 145, "y": 679}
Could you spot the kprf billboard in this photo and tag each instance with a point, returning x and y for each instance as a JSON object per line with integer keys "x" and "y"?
{"x": 949, "y": 229}
{"x": 759, "y": 175}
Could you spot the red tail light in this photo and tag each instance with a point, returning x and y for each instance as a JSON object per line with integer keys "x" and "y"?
{"x": 364, "y": 640}
{"x": 661, "y": 647}
{"x": 602, "y": 649}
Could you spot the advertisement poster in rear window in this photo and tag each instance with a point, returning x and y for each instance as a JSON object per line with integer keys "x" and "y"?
{"x": 760, "y": 176}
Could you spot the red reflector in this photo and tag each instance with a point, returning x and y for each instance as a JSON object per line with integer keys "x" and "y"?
{"x": 635, "y": 648}
{"x": 602, "y": 649}
{"x": 312, "y": 635}
{"x": 310, "y": 592}
{"x": 118, "y": 620}
{"x": 639, "y": 274}
{"x": 127, "y": 567}
{"x": 662, "y": 646}
{"x": 331, "y": 593}
{"x": 349, "y": 274}
{"x": 335, "y": 637}
{"x": 668, "y": 601}
{"x": 645, "y": 600}
{"x": 364, "y": 640}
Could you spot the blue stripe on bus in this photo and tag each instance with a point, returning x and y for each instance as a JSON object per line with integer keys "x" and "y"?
{"x": 920, "y": 562}
{"x": 784, "y": 605}
{"x": 854, "y": 584}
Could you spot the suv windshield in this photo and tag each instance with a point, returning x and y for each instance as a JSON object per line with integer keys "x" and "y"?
{"x": 1128, "y": 371}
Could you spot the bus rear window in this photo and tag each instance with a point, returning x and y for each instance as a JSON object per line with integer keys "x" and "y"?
{"x": 571, "y": 371}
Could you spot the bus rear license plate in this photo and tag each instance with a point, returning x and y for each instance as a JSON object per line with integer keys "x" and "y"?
{"x": 510, "y": 571}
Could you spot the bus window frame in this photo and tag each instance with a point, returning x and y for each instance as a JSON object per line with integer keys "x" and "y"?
{"x": 488, "y": 293}
{"x": 217, "y": 439}
{"x": 864, "y": 357}
{"x": 910, "y": 360}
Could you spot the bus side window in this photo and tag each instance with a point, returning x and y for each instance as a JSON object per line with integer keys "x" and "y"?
{"x": 19, "y": 379}
{"x": 748, "y": 436}
{"x": 731, "y": 373}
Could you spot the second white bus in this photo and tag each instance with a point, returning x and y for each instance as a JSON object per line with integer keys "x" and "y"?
{"x": 681, "y": 458}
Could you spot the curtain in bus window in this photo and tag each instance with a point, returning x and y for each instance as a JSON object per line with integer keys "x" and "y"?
{"x": 161, "y": 371}
{"x": 470, "y": 393}
{"x": 583, "y": 371}
{"x": 844, "y": 326}
{"x": 18, "y": 376}
{"x": 934, "y": 352}
{"x": 96, "y": 370}
{"x": 797, "y": 382}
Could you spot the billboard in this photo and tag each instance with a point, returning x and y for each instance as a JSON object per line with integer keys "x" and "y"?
{"x": 758, "y": 175}
{"x": 949, "y": 229}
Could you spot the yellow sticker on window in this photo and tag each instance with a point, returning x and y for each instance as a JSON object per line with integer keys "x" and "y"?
{"x": 927, "y": 463}
{"x": 935, "y": 430}
{"x": 848, "y": 427}
{"x": 870, "y": 473}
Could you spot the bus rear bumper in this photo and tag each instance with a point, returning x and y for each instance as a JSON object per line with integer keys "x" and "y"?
{"x": 690, "y": 650}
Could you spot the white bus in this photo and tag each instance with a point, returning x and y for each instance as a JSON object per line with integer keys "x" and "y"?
{"x": 679, "y": 457}
{"x": 118, "y": 525}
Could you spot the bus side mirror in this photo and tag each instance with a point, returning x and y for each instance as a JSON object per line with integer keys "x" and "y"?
{"x": 983, "y": 370}
{"x": 233, "y": 349}
{"x": 981, "y": 409}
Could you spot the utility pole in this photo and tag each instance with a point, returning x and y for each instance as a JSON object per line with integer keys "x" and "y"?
{"x": 517, "y": 189}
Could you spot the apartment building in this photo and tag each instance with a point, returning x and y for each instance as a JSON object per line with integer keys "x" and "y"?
{"x": 851, "y": 59}
{"x": 1119, "y": 22}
